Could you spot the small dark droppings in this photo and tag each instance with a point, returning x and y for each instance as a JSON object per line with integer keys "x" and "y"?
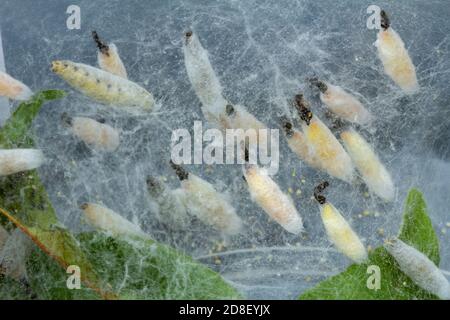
{"x": 98, "y": 80}
{"x": 75, "y": 68}
{"x": 188, "y": 34}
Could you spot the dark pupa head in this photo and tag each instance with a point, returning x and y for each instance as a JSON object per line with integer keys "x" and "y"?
{"x": 287, "y": 126}
{"x": 385, "y": 22}
{"x": 319, "y": 84}
{"x": 153, "y": 184}
{"x": 302, "y": 108}
{"x": 188, "y": 36}
{"x": 179, "y": 171}
{"x": 66, "y": 119}
{"x": 229, "y": 109}
{"x": 84, "y": 206}
{"x": 103, "y": 47}
{"x": 318, "y": 190}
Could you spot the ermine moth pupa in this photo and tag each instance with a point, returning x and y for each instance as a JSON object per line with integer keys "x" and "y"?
{"x": 203, "y": 78}
{"x": 268, "y": 195}
{"x": 103, "y": 86}
{"x": 108, "y": 57}
{"x": 14, "y": 255}
{"x": 342, "y": 103}
{"x": 171, "y": 203}
{"x": 18, "y": 160}
{"x": 109, "y": 221}
{"x": 394, "y": 56}
{"x": 369, "y": 165}
{"x": 338, "y": 230}
{"x": 207, "y": 204}
{"x": 316, "y": 144}
{"x": 419, "y": 268}
{"x": 13, "y": 89}
{"x": 98, "y": 135}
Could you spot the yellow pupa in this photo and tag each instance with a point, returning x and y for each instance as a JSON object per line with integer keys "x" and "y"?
{"x": 395, "y": 58}
{"x": 103, "y": 86}
{"x": 338, "y": 230}
{"x": 97, "y": 135}
{"x": 342, "y": 103}
{"x": 268, "y": 195}
{"x": 207, "y": 204}
{"x": 368, "y": 164}
{"x": 108, "y": 57}
{"x": 107, "y": 220}
{"x": 317, "y": 146}
{"x": 13, "y": 89}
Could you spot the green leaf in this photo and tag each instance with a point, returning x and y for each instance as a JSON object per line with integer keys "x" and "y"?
{"x": 141, "y": 269}
{"x": 24, "y": 201}
{"x": 352, "y": 283}
{"x": 417, "y": 229}
{"x": 11, "y": 289}
{"x": 136, "y": 269}
{"x": 15, "y": 132}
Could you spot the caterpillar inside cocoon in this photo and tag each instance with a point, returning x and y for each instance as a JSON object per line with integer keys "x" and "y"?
{"x": 18, "y": 160}
{"x": 14, "y": 254}
{"x": 342, "y": 103}
{"x": 395, "y": 58}
{"x": 98, "y": 135}
{"x": 203, "y": 78}
{"x": 103, "y": 86}
{"x": 13, "y": 89}
{"x": 338, "y": 230}
{"x": 171, "y": 203}
{"x": 207, "y": 204}
{"x": 109, "y": 221}
{"x": 372, "y": 170}
{"x": 317, "y": 146}
{"x": 239, "y": 118}
{"x": 419, "y": 268}
{"x": 108, "y": 57}
{"x": 268, "y": 195}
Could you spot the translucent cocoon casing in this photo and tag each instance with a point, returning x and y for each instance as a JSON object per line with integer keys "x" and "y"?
{"x": 344, "y": 105}
{"x": 14, "y": 254}
{"x": 419, "y": 268}
{"x": 13, "y": 89}
{"x": 107, "y": 220}
{"x": 318, "y": 147}
{"x": 341, "y": 234}
{"x": 98, "y": 135}
{"x": 239, "y": 118}
{"x": 203, "y": 78}
{"x": 396, "y": 61}
{"x": 171, "y": 203}
{"x": 268, "y": 195}
{"x": 103, "y": 86}
{"x": 372, "y": 170}
{"x": 18, "y": 160}
{"x": 210, "y": 206}
{"x": 3, "y": 237}
{"x": 111, "y": 62}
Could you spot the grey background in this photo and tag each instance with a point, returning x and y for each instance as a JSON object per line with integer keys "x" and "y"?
{"x": 262, "y": 51}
